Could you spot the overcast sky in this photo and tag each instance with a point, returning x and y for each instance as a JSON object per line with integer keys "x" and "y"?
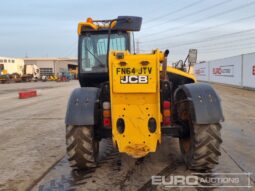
{"x": 47, "y": 28}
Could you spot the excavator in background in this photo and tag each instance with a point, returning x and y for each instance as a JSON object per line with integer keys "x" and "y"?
{"x": 135, "y": 99}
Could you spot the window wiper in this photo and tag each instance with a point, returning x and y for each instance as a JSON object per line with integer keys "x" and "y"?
{"x": 101, "y": 63}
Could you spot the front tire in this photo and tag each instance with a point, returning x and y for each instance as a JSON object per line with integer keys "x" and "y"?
{"x": 82, "y": 148}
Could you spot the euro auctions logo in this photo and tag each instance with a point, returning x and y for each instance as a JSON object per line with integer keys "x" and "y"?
{"x": 204, "y": 180}
{"x": 227, "y": 71}
{"x": 217, "y": 71}
{"x": 253, "y": 70}
{"x": 200, "y": 72}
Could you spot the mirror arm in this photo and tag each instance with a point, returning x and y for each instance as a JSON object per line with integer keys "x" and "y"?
{"x": 108, "y": 41}
{"x": 164, "y": 66}
{"x": 185, "y": 60}
{"x": 133, "y": 38}
{"x": 189, "y": 67}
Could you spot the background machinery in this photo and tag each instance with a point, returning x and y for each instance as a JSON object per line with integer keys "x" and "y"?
{"x": 31, "y": 72}
{"x": 19, "y": 72}
{"x": 135, "y": 99}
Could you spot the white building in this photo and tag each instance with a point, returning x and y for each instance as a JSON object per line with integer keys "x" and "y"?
{"x": 49, "y": 66}
{"x": 11, "y": 65}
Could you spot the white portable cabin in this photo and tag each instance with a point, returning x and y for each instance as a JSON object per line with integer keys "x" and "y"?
{"x": 12, "y": 65}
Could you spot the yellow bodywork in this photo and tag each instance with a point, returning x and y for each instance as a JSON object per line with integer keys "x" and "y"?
{"x": 135, "y": 102}
{"x": 181, "y": 73}
{"x": 93, "y": 26}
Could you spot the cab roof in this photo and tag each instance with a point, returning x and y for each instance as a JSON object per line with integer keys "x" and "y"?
{"x": 121, "y": 23}
{"x": 98, "y": 25}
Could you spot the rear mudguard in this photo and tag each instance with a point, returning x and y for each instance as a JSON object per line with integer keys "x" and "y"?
{"x": 81, "y": 106}
{"x": 206, "y": 104}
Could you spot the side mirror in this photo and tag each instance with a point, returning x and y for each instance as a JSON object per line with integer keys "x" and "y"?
{"x": 128, "y": 23}
{"x": 192, "y": 58}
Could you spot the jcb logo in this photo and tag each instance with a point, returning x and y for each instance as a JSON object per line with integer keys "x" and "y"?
{"x": 134, "y": 80}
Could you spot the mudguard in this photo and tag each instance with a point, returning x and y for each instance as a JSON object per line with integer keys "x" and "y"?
{"x": 81, "y": 106}
{"x": 206, "y": 104}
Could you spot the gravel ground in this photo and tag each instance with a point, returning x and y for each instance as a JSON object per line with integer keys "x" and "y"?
{"x": 32, "y": 142}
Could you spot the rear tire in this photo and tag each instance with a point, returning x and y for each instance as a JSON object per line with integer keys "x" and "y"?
{"x": 82, "y": 148}
{"x": 200, "y": 144}
{"x": 201, "y": 150}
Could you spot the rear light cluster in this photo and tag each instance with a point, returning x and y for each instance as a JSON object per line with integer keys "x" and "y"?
{"x": 166, "y": 113}
{"x": 107, "y": 114}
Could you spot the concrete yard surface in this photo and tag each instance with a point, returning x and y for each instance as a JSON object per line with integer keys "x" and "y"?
{"x": 32, "y": 131}
{"x": 32, "y": 145}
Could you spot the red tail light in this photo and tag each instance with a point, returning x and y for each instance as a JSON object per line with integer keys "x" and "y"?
{"x": 166, "y": 113}
{"x": 107, "y": 122}
{"x": 107, "y": 114}
{"x": 166, "y": 104}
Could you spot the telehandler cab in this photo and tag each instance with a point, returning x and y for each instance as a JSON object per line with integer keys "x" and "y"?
{"x": 135, "y": 99}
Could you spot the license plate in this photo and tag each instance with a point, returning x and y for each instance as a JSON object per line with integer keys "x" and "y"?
{"x": 134, "y": 75}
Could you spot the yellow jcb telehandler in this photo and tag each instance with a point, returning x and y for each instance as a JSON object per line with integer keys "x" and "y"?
{"x": 135, "y": 99}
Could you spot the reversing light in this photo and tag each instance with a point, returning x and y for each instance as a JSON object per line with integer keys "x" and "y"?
{"x": 106, "y": 105}
{"x": 107, "y": 114}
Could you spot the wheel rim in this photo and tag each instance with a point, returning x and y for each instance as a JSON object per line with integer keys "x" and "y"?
{"x": 186, "y": 142}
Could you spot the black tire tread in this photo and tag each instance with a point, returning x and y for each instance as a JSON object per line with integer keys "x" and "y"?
{"x": 80, "y": 150}
{"x": 206, "y": 147}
